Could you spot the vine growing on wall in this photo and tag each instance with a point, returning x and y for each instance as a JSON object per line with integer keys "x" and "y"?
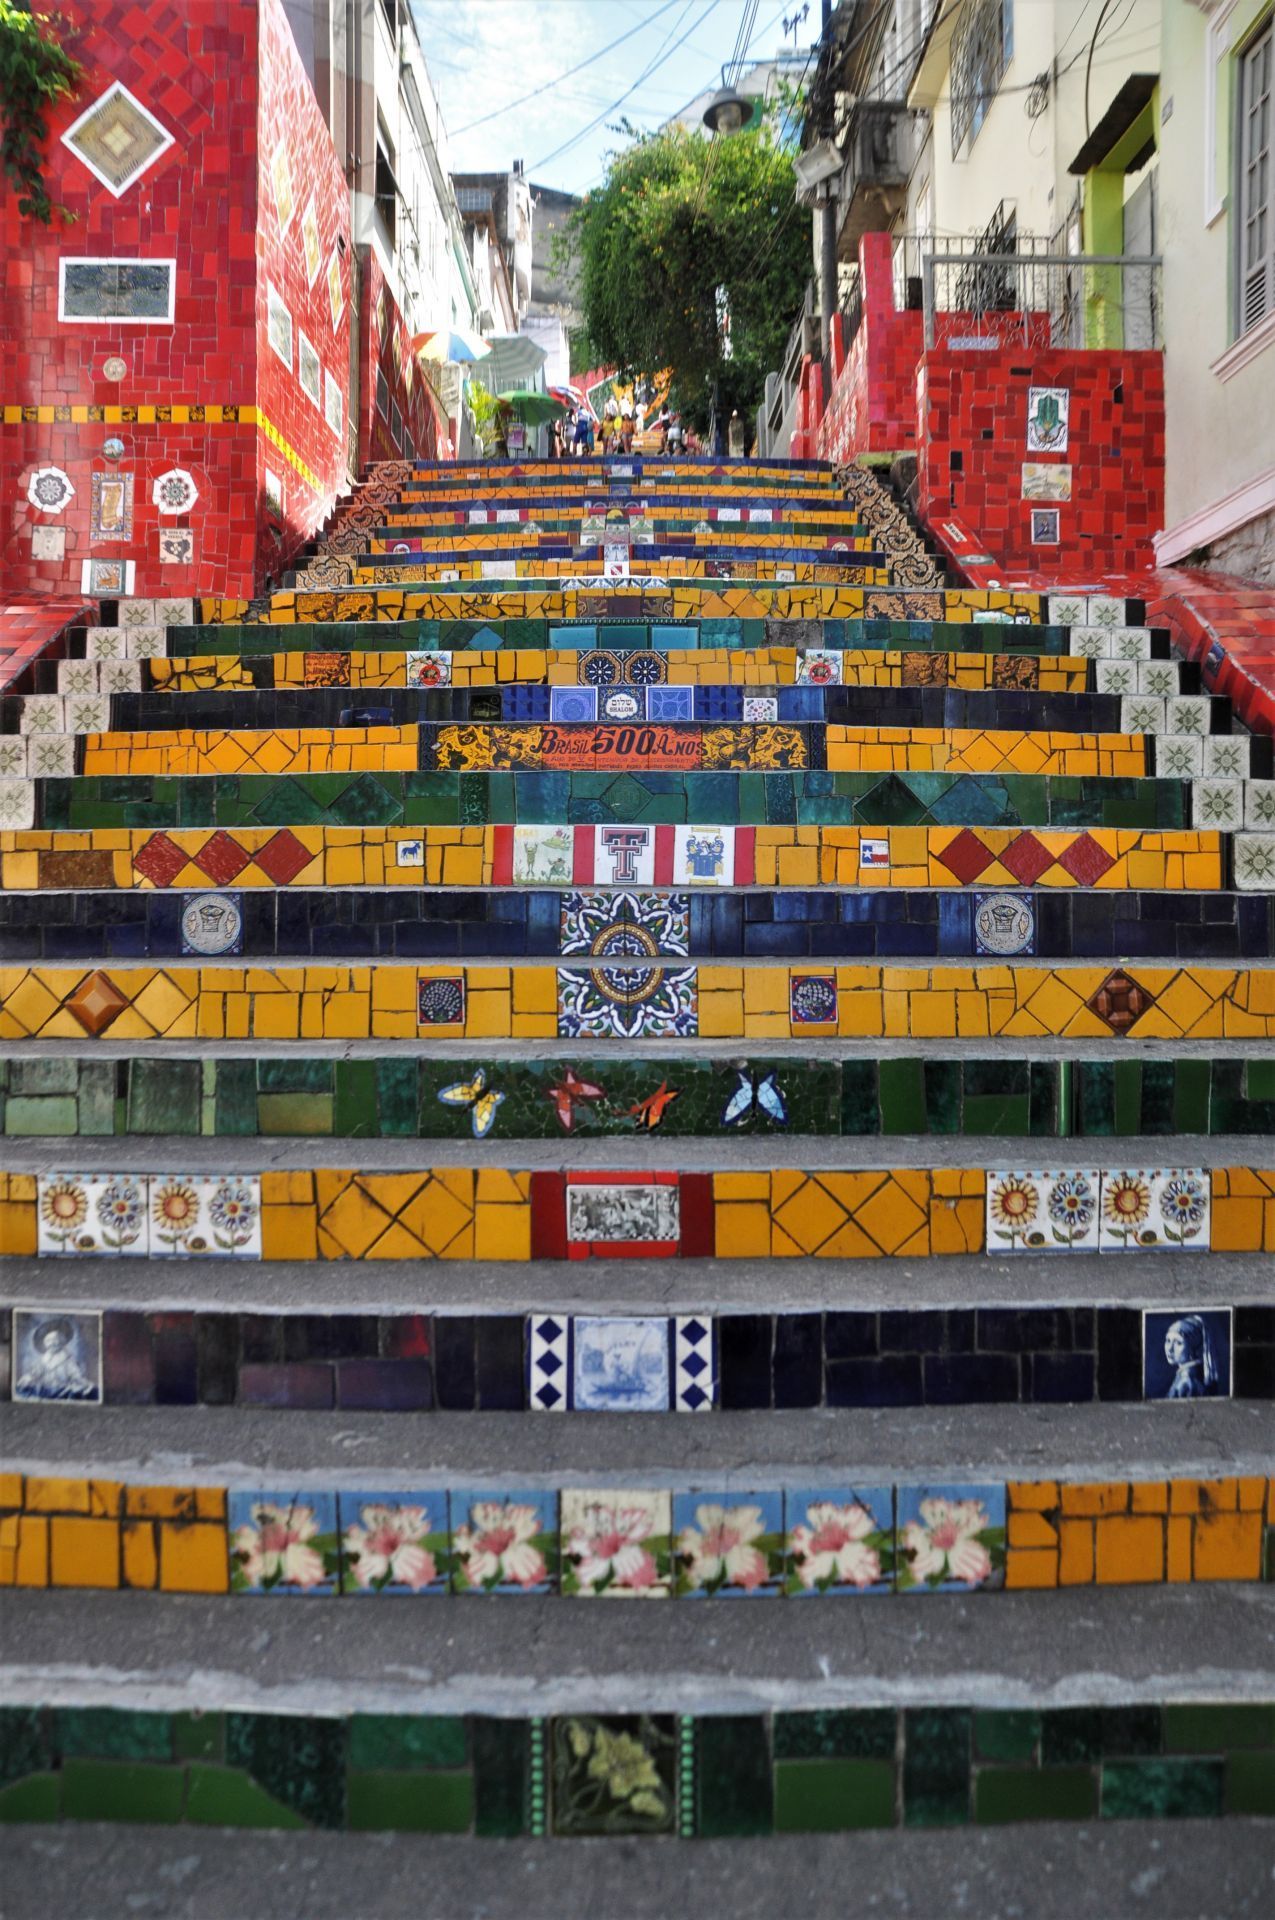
{"x": 35, "y": 71}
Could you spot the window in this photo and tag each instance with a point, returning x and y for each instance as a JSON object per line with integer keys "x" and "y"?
{"x": 1257, "y": 215}
{"x": 128, "y": 290}
{"x": 386, "y": 185}
{"x": 982, "y": 48}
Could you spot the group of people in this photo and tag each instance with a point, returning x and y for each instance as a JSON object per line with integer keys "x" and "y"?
{"x": 623, "y": 421}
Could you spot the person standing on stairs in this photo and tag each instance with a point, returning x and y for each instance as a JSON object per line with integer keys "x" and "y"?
{"x": 735, "y": 436}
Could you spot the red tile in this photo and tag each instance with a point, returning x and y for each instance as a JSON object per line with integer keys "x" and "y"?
{"x": 1086, "y": 861}
{"x": 222, "y": 859}
{"x": 966, "y": 856}
{"x": 1027, "y": 859}
{"x": 283, "y": 857}
{"x": 160, "y": 860}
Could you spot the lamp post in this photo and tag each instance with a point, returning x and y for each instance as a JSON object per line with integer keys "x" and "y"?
{"x": 728, "y": 110}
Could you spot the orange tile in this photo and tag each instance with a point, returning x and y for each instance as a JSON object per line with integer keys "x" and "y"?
{"x": 1037, "y": 1496}
{"x": 32, "y": 1565}
{"x": 11, "y": 1490}
{"x": 1075, "y": 1567}
{"x": 1228, "y": 1546}
{"x": 1031, "y": 1530}
{"x": 1030, "y": 1569}
{"x": 57, "y": 1496}
{"x": 1179, "y": 1555}
{"x": 1095, "y": 1497}
{"x": 1149, "y": 1496}
{"x": 1129, "y": 1550}
{"x": 85, "y": 1553}
{"x": 1204, "y": 1496}
{"x": 193, "y": 1559}
{"x": 141, "y": 1563}
{"x": 160, "y": 1503}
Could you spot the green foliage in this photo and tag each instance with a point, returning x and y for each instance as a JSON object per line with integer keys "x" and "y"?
{"x": 35, "y": 71}
{"x": 680, "y": 216}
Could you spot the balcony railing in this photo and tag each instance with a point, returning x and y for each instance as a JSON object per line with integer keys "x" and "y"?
{"x": 1061, "y": 300}
{"x": 879, "y": 150}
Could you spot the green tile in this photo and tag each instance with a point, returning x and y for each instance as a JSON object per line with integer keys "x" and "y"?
{"x": 1127, "y": 1095}
{"x": 733, "y": 1775}
{"x": 236, "y": 1098}
{"x": 1071, "y": 1734}
{"x": 45, "y": 1114}
{"x": 1191, "y": 1079}
{"x": 1043, "y": 1099}
{"x": 198, "y": 1736}
{"x": 107, "y": 1733}
{"x": 832, "y": 1796}
{"x": 942, "y": 1080}
{"x": 1004, "y": 1115}
{"x": 27, "y": 1743}
{"x": 164, "y": 1096}
{"x": 116, "y": 1790}
{"x": 45, "y": 1076}
{"x": 354, "y": 1113}
{"x": 38, "y": 1797}
{"x": 1213, "y": 1729}
{"x": 500, "y": 1750}
{"x": 1022, "y": 1793}
{"x": 1250, "y": 1783}
{"x": 381, "y": 1742}
{"x": 1006, "y": 1736}
{"x": 397, "y": 1097}
{"x": 841, "y": 1733}
{"x": 1259, "y": 1079}
{"x": 225, "y": 1797}
{"x": 1130, "y": 1730}
{"x": 298, "y": 1760}
{"x": 936, "y": 1766}
{"x": 294, "y": 1113}
{"x": 902, "y": 1096}
{"x": 294, "y": 1076}
{"x": 1162, "y": 1789}
{"x": 860, "y": 1111}
{"x": 410, "y": 1802}
{"x": 97, "y": 1097}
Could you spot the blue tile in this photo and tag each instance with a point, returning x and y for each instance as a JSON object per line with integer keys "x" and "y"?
{"x": 667, "y": 705}
{"x": 621, "y": 1365}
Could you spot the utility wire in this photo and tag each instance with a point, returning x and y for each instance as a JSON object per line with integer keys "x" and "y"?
{"x": 646, "y": 73}
{"x": 537, "y": 93}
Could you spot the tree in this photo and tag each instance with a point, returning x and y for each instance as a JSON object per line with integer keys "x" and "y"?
{"x": 692, "y": 254}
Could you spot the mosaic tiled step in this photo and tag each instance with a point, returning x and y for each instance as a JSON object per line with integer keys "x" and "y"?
{"x": 822, "y": 1539}
{"x": 392, "y": 1096}
{"x": 767, "y": 670}
{"x": 937, "y": 637}
{"x": 355, "y": 922}
{"x": 623, "y": 797}
{"x": 854, "y": 709}
{"x": 691, "y": 601}
{"x": 651, "y": 1774}
{"x": 550, "y": 1361}
{"x": 663, "y": 565}
{"x": 701, "y": 857}
{"x": 494, "y": 1213}
{"x": 624, "y": 1002}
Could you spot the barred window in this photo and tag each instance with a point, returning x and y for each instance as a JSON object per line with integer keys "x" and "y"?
{"x": 1257, "y": 213}
{"x": 982, "y": 48}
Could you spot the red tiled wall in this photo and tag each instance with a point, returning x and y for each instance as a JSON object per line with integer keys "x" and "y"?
{"x": 289, "y": 114}
{"x": 196, "y": 68}
{"x": 972, "y": 409}
{"x": 385, "y": 345}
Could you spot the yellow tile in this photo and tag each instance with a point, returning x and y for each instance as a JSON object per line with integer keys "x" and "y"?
{"x": 1228, "y": 1546}
{"x": 141, "y": 1562}
{"x": 85, "y": 1553}
{"x": 1130, "y": 1549}
{"x": 193, "y": 1559}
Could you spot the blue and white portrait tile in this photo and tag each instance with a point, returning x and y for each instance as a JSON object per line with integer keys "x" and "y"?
{"x": 504, "y": 1541}
{"x": 620, "y": 1365}
{"x": 839, "y": 1539}
{"x": 284, "y": 1543}
{"x": 57, "y": 1356}
{"x": 950, "y": 1538}
{"x": 1186, "y": 1356}
{"x": 728, "y": 1543}
{"x": 394, "y": 1543}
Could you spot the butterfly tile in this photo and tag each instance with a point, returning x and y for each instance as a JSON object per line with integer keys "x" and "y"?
{"x": 475, "y": 1098}
{"x": 1041, "y": 1212}
{"x": 615, "y": 1543}
{"x": 950, "y": 1538}
{"x": 1156, "y": 1208}
{"x": 757, "y": 1098}
{"x": 549, "y": 1372}
{"x": 57, "y": 1356}
{"x": 98, "y": 1213}
{"x": 839, "y": 1539}
{"x": 503, "y": 1542}
{"x": 1186, "y": 1353}
{"x": 694, "y": 1363}
{"x": 730, "y": 1544}
{"x": 284, "y": 1543}
{"x": 620, "y": 1364}
{"x": 393, "y": 1543}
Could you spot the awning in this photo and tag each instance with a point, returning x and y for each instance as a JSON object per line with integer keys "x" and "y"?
{"x": 515, "y": 360}
{"x": 1120, "y": 116}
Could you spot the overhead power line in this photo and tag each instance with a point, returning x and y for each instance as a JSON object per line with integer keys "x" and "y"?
{"x": 538, "y": 93}
{"x": 665, "y": 53}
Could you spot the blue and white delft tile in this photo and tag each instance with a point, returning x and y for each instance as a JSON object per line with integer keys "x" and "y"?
{"x": 549, "y": 1362}
{"x": 951, "y": 1538}
{"x": 620, "y": 1364}
{"x": 839, "y": 1540}
{"x": 1043, "y": 1211}
{"x": 57, "y": 1356}
{"x": 728, "y": 1543}
{"x": 694, "y": 1363}
{"x": 1186, "y": 1355}
{"x": 409, "y": 853}
{"x": 503, "y": 1542}
{"x": 622, "y": 706}
{"x": 92, "y": 1213}
{"x": 394, "y": 1542}
{"x": 1149, "y": 1208}
{"x": 284, "y": 1543}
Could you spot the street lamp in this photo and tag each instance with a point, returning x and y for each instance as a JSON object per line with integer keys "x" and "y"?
{"x": 727, "y": 111}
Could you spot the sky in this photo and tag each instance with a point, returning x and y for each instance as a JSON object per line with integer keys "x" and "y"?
{"x": 484, "y": 54}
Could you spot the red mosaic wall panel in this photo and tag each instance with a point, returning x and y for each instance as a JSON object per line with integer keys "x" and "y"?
{"x": 385, "y": 349}
{"x": 178, "y": 392}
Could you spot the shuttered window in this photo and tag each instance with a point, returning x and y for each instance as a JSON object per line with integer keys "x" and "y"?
{"x": 1257, "y": 214}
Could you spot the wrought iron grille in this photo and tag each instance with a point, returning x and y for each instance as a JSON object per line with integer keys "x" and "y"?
{"x": 982, "y": 48}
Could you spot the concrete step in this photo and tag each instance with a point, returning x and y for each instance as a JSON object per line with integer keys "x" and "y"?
{"x": 1093, "y": 1646}
{"x": 256, "y": 1447}
{"x": 1119, "y": 1870}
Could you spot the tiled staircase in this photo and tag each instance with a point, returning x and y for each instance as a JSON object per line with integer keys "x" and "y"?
{"x": 763, "y": 983}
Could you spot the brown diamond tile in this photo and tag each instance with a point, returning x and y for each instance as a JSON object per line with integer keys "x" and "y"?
{"x": 96, "y": 1002}
{"x": 1120, "y": 1001}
